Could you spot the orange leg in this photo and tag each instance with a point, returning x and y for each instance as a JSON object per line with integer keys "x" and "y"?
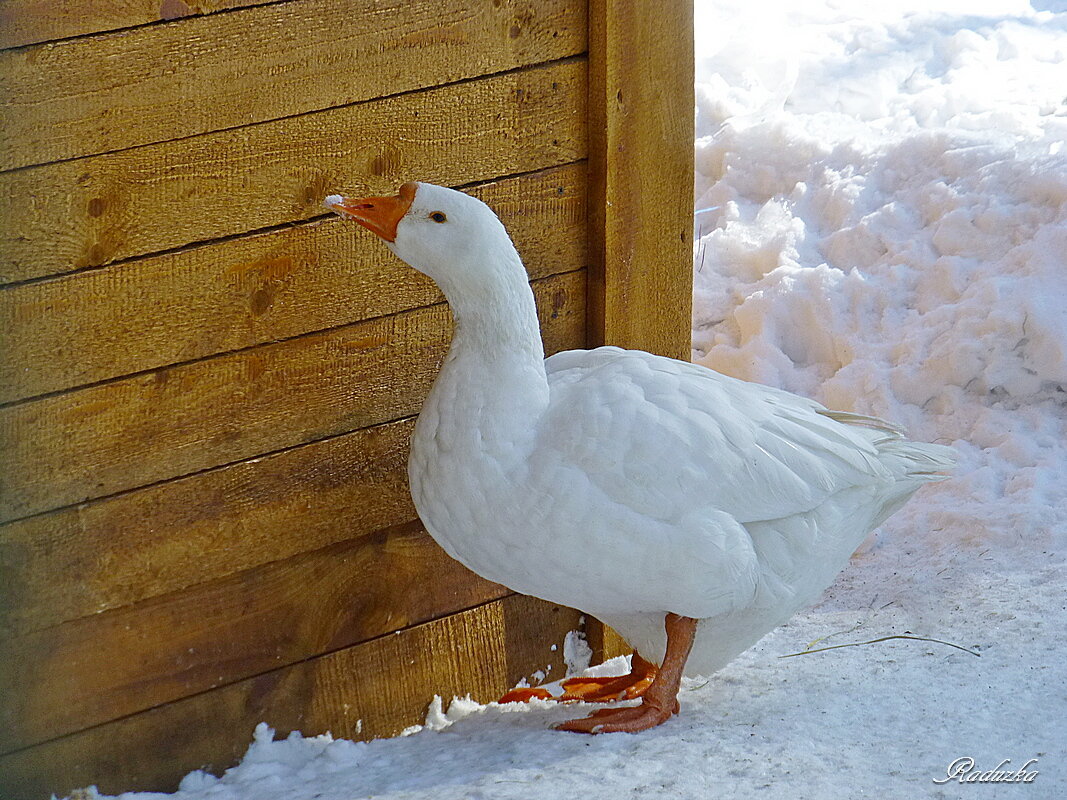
{"x": 594, "y": 690}
{"x": 524, "y": 694}
{"x": 660, "y": 700}
{"x": 616, "y": 687}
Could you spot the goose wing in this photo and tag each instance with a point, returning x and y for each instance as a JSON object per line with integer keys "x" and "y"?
{"x": 667, "y": 438}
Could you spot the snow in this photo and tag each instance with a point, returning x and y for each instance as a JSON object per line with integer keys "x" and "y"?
{"x": 576, "y": 653}
{"x": 883, "y": 227}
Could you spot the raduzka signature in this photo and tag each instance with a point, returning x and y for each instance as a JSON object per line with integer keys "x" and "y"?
{"x": 964, "y": 770}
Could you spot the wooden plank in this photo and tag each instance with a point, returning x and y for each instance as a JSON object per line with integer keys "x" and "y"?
{"x": 156, "y": 83}
{"x": 236, "y": 293}
{"x": 641, "y": 174}
{"x": 605, "y": 642}
{"x": 137, "y": 545}
{"x": 24, "y": 22}
{"x": 91, "y": 442}
{"x": 68, "y": 678}
{"x": 93, "y": 211}
{"x": 373, "y": 689}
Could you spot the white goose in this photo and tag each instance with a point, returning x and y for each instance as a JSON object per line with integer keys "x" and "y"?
{"x": 690, "y": 511}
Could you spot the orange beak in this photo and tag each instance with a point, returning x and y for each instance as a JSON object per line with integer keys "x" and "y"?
{"x": 379, "y": 215}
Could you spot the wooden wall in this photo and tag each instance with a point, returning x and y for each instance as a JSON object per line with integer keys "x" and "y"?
{"x": 207, "y": 384}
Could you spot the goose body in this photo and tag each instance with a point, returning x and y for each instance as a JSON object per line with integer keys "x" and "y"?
{"x": 634, "y": 487}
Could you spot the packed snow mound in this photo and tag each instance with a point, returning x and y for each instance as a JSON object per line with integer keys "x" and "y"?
{"x": 882, "y": 225}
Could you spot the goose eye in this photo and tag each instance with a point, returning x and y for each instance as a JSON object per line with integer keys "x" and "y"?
{"x": 438, "y": 216}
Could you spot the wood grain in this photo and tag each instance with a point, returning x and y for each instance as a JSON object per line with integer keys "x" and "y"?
{"x": 236, "y": 293}
{"x": 93, "y": 211}
{"x": 385, "y": 684}
{"x": 114, "y": 91}
{"x": 117, "y": 663}
{"x": 103, "y": 439}
{"x": 24, "y": 22}
{"x": 641, "y": 174}
{"x": 124, "y": 549}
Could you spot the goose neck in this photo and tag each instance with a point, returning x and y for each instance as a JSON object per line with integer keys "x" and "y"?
{"x": 496, "y": 317}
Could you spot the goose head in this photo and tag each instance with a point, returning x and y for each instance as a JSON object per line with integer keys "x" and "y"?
{"x": 453, "y": 238}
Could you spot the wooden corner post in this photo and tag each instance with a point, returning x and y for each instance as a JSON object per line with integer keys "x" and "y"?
{"x": 641, "y": 129}
{"x": 641, "y": 174}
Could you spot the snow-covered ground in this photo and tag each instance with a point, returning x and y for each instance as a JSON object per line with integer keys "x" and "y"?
{"x": 883, "y": 226}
